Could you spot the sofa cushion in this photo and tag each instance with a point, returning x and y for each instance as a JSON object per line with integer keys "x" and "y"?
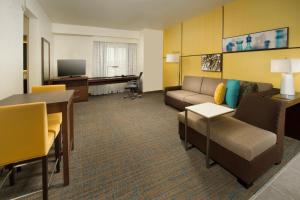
{"x": 209, "y": 85}
{"x": 192, "y": 83}
{"x": 180, "y": 94}
{"x": 198, "y": 98}
{"x": 220, "y": 93}
{"x": 239, "y": 137}
{"x": 264, "y": 87}
{"x": 247, "y": 88}
{"x": 261, "y": 112}
{"x": 242, "y": 138}
{"x": 232, "y": 93}
{"x": 195, "y": 121}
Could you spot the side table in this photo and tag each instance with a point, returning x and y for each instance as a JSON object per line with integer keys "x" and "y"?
{"x": 292, "y": 109}
{"x": 208, "y": 111}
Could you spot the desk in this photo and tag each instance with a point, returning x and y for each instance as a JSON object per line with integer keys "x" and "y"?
{"x": 60, "y": 101}
{"x": 111, "y": 80}
{"x": 78, "y": 84}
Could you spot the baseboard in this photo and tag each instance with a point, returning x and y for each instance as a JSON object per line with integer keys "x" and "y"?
{"x": 155, "y": 91}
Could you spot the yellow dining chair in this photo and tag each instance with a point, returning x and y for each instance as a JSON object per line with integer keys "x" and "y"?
{"x": 25, "y": 137}
{"x": 55, "y": 117}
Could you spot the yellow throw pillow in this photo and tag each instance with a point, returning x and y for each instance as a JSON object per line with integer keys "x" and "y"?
{"x": 220, "y": 93}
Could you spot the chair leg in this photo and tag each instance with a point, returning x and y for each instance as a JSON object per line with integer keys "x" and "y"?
{"x": 12, "y": 176}
{"x": 57, "y": 151}
{"x": 45, "y": 177}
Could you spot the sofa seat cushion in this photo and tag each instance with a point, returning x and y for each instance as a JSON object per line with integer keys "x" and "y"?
{"x": 180, "y": 94}
{"x": 239, "y": 137}
{"x": 198, "y": 98}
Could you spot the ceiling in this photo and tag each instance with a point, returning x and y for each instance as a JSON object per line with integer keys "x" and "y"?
{"x": 126, "y": 14}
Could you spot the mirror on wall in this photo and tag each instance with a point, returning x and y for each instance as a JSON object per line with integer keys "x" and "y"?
{"x": 45, "y": 61}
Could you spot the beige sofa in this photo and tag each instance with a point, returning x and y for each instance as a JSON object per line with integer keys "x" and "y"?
{"x": 196, "y": 90}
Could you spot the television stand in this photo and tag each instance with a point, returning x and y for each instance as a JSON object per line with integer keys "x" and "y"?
{"x": 77, "y": 83}
{"x": 75, "y": 76}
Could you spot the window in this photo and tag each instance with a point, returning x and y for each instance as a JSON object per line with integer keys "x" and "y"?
{"x": 113, "y": 59}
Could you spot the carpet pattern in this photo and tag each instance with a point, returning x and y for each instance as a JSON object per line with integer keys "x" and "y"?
{"x": 130, "y": 149}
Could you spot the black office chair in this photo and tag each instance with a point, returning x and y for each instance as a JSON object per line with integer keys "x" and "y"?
{"x": 134, "y": 88}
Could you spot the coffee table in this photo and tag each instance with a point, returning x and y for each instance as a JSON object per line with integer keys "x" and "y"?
{"x": 208, "y": 111}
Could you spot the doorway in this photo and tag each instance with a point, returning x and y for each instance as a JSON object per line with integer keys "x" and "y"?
{"x": 25, "y": 54}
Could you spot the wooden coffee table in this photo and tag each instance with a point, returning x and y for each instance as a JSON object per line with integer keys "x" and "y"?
{"x": 208, "y": 111}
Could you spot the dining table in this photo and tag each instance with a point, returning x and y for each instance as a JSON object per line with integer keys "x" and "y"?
{"x": 56, "y": 101}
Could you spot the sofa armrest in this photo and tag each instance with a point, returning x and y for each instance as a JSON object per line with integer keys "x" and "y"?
{"x": 170, "y": 88}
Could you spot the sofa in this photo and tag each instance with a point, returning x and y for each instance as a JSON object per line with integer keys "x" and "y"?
{"x": 196, "y": 90}
{"x": 248, "y": 143}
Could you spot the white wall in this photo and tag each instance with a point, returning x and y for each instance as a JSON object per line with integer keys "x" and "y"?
{"x": 11, "y": 40}
{"x": 11, "y": 47}
{"x": 76, "y": 42}
{"x": 152, "y": 48}
{"x": 39, "y": 26}
{"x": 72, "y": 47}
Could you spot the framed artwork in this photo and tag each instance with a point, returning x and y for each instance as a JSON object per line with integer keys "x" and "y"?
{"x": 266, "y": 40}
{"x": 211, "y": 62}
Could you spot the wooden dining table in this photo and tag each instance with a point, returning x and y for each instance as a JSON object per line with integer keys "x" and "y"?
{"x": 58, "y": 101}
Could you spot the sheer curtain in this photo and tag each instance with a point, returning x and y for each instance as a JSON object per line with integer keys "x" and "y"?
{"x": 113, "y": 59}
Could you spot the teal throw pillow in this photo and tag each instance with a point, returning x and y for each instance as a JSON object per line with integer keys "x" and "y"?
{"x": 232, "y": 93}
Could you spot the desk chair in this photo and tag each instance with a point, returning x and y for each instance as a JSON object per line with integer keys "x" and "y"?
{"x": 134, "y": 88}
{"x": 25, "y": 138}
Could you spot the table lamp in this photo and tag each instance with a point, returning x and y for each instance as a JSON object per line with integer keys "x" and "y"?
{"x": 175, "y": 58}
{"x": 287, "y": 67}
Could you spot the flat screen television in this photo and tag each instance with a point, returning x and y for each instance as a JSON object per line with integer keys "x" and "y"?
{"x": 71, "y": 67}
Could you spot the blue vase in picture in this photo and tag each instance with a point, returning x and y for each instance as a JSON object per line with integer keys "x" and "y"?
{"x": 239, "y": 45}
{"x": 248, "y": 40}
{"x": 229, "y": 47}
{"x": 267, "y": 44}
{"x": 279, "y": 38}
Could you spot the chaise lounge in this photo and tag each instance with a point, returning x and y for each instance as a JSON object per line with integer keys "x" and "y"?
{"x": 248, "y": 143}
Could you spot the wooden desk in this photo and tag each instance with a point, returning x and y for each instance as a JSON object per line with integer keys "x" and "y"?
{"x": 292, "y": 106}
{"x": 111, "y": 80}
{"x": 60, "y": 101}
{"x": 78, "y": 84}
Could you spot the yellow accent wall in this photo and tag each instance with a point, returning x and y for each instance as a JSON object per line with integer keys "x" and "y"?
{"x": 203, "y": 34}
{"x": 172, "y": 44}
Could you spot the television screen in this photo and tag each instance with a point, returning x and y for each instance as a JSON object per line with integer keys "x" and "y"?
{"x": 71, "y": 67}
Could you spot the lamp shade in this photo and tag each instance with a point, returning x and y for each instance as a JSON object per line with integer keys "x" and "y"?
{"x": 285, "y": 65}
{"x": 172, "y": 58}
{"x": 295, "y": 65}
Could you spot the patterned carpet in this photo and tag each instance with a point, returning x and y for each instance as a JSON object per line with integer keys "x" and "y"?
{"x": 130, "y": 149}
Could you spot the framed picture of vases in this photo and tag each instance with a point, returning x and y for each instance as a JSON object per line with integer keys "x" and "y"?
{"x": 265, "y": 40}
